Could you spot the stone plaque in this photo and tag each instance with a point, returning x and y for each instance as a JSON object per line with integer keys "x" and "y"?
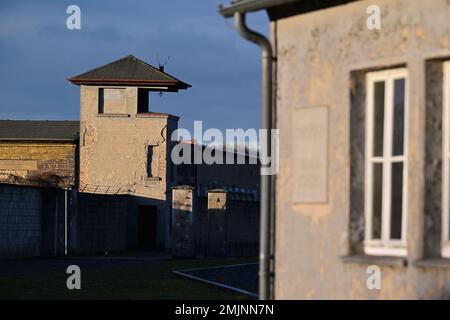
{"x": 310, "y": 160}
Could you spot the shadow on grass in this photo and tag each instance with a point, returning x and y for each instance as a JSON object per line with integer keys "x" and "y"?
{"x": 153, "y": 280}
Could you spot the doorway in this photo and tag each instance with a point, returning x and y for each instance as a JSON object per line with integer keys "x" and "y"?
{"x": 147, "y": 227}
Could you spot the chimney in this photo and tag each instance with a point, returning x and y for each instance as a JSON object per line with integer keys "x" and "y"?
{"x": 161, "y": 68}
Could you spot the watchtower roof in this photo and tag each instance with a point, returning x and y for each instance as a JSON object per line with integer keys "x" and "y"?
{"x": 130, "y": 71}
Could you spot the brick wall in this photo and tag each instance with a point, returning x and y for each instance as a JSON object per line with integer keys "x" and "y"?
{"x": 37, "y": 164}
{"x": 20, "y": 221}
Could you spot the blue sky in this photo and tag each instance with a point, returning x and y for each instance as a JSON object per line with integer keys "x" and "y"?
{"x": 38, "y": 53}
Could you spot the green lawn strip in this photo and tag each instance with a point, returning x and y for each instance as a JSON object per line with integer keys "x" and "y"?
{"x": 155, "y": 281}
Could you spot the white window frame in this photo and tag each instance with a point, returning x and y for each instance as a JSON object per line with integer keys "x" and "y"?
{"x": 445, "y": 242}
{"x": 385, "y": 246}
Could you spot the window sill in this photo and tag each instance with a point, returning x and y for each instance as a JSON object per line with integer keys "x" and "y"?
{"x": 433, "y": 263}
{"x": 113, "y": 115}
{"x": 377, "y": 260}
{"x": 153, "y": 179}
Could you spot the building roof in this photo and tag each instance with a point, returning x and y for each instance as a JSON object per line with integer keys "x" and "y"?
{"x": 130, "y": 71}
{"x": 278, "y": 8}
{"x": 30, "y": 130}
{"x": 250, "y": 6}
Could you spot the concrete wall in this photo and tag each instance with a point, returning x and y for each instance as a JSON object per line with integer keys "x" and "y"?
{"x": 213, "y": 226}
{"x": 318, "y": 54}
{"x": 102, "y": 223}
{"x": 20, "y": 222}
{"x": 163, "y": 220}
{"x": 183, "y": 221}
{"x": 32, "y": 221}
{"x": 37, "y": 164}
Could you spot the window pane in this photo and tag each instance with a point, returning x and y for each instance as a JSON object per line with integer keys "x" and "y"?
{"x": 377, "y": 199}
{"x": 399, "y": 117}
{"x": 149, "y": 161}
{"x": 378, "y": 118}
{"x": 396, "y": 200}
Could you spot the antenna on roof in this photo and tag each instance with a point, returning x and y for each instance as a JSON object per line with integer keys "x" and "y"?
{"x": 161, "y": 65}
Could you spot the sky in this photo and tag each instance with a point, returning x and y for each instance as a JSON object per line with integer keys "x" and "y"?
{"x": 38, "y": 53}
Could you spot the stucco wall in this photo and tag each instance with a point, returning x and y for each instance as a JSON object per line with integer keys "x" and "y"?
{"x": 113, "y": 148}
{"x": 317, "y": 53}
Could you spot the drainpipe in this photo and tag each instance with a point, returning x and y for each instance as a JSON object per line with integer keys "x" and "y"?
{"x": 265, "y": 224}
{"x": 65, "y": 222}
{"x": 55, "y": 235}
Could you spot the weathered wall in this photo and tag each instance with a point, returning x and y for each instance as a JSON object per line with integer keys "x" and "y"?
{"x": 229, "y": 232}
{"x": 32, "y": 222}
{"x": 20, "y": 222}
{"x": 317, "y": 54}
{"x": 37, "y": 164}
{"x": 102, "y": 223}
{"x": 113, "y": 148}
{"x": 215, "y": 226}
{"x": 183, "y": 219}
{"x": 113, "y": 155}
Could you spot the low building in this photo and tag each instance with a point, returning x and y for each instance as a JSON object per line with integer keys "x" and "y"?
{"x": 240, "y": 178}
{"x": 38, "y": 173}
{"x": 38, "y": 153}
{"x": 363, "y": 113}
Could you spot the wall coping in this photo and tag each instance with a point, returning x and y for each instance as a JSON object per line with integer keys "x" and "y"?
{"x": 378, "y": 260}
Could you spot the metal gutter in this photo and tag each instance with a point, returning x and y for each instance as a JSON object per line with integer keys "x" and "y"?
{"x": 40, "y": 140}
{"x": 244, "y": 6}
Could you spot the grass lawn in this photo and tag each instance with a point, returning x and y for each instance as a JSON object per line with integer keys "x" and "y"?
{"x": 153, "y": 281}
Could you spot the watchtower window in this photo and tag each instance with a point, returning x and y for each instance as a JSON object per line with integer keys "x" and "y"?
{"x": 143, "y": 101}
{"x": 112, "y": 100}
{"x": 149, "y": 161}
